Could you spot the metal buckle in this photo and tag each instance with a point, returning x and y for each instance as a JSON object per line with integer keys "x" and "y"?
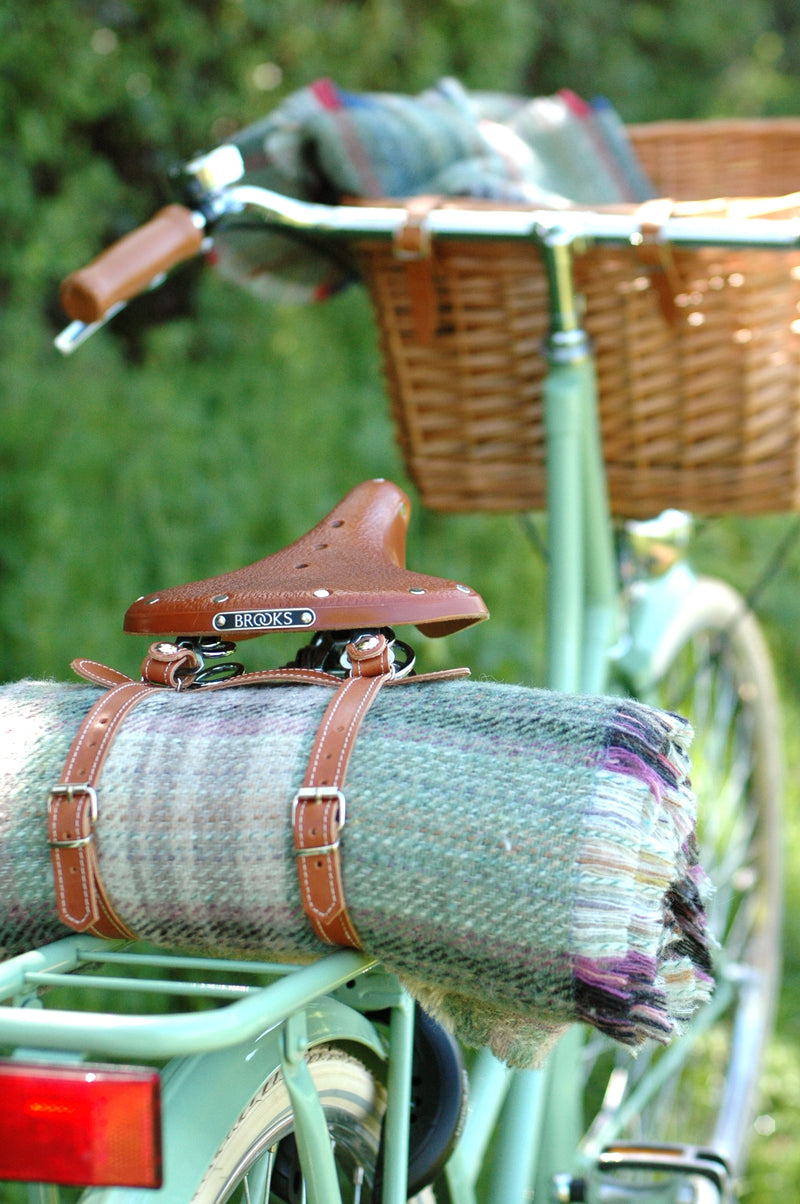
{"x": 317, "y": 794}
{"x": 70, "y": 789}
{"x": 71, "y": 844}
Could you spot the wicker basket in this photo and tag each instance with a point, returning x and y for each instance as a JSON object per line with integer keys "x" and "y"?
{"x": 702, "y": 414}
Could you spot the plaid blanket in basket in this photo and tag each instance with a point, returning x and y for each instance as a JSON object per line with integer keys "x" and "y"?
{"x": 520, "y": 858}
{"x": 324, "y": 144}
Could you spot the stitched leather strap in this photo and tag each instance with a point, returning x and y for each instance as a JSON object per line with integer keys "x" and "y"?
{"x": 102, "y": 675}
{"x": 82, "y": 901}
{"x": 319, "y": 808}
{"x": 412, "y": 244}
{"x": 318, "y": 812}
{"x": 656, "y": 255}
{"x": 168, "y": 665}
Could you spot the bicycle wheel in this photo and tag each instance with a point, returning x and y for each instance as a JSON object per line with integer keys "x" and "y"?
{"x": 258, "y": 1159}
{"x": 714, "y": 668}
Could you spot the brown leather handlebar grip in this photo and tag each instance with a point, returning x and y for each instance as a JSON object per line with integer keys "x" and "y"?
{"x": 128, "y": 266}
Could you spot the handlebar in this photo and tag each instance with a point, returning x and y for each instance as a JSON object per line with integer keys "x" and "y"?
{"x": 618, "y": 225}
{"x": 139, "y": 260}
{"x": 130, "y": 265}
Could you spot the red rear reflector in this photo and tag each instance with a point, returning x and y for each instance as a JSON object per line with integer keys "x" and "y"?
{"x": 82, "y": 1125}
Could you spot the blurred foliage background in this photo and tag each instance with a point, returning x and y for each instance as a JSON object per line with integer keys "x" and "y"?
{"x": 204, "y": 428}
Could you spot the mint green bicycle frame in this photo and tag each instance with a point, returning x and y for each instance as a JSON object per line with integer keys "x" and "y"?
{"x": 532, "y": 1120}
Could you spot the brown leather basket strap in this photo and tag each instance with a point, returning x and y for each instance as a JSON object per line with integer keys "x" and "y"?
{"x": 656, "y": 255}
{"x": 319, "y": 808}
{"x": 73, "y": 811}
{"x": 412, "y": 244}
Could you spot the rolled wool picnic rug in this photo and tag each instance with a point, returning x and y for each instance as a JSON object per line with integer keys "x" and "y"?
{"x": 521, "y": 859}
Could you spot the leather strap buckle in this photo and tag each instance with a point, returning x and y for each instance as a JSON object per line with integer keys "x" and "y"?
{"x": 72, "y": 813}
{"x": 319, "y": 794}
{"x": 70, "y": 789}
{"x": 319, "y": 807}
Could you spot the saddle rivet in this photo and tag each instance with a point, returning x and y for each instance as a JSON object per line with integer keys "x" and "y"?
{"x": 221, "y": 598}
{"x": 307, "y": 616}
{"x": 322, "y": 593}
{"x": 464, "y": 589}
{"x": 415, "y": 590}
{"x": 152, "y": 601}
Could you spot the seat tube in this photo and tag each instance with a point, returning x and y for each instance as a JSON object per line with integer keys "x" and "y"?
{"x": 564, "y": 399}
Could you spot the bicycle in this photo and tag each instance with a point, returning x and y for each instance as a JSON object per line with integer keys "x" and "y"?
{"x": 279, "y": 1061}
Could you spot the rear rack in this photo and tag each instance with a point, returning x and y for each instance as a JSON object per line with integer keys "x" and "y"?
{"x": 245, "y": 1009}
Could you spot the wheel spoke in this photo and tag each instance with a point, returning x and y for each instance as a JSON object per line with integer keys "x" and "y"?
{"x": 257, "y": 1181}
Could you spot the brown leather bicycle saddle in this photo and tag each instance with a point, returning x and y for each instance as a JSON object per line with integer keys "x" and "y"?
{"x": 347, "y": 572}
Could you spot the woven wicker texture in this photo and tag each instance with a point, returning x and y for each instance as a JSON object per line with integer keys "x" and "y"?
{"x": 513, "y": 854}
{"x": 703, "y": 414}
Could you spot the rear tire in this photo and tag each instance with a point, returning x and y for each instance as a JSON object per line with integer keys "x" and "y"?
{"x": 257, "y": 1160}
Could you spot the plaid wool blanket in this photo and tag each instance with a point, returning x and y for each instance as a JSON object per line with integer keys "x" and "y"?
{"x": 521, "y": 859}
{"x": 325, "y": 144}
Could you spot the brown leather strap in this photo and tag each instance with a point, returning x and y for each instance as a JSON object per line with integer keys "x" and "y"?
{"x": 102, "y": 675}
{"x": 168, "y": 665}
{"x": 412, "y": 244}
{"x": 82, "y": 901}
{"x": 656, "y": 255}
{"x": 318, "y": 811}
{"x": 319, "y": 808}
{"x": 99, "y": 674}
{"x": 73, "y": 811}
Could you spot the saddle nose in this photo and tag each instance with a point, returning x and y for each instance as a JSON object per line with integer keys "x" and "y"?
{"x": 347, "y": 572}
